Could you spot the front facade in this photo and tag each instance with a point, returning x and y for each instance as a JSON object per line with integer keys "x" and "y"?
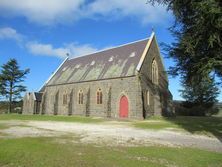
{"x": 128, "y": 81}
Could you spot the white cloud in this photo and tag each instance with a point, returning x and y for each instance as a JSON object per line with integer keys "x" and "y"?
{"x": 76, "y": 49}
{"x": 36, "y": 48}
{"x": 47, "y": 12}
{"x": 48, "y": 50}
{"x": 117, "y": 9}
{"x": 10, "y": 33}
{"x": 42, "y": 11}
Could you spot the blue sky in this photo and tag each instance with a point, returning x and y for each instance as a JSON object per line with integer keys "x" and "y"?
{"x": 39, "y": 33}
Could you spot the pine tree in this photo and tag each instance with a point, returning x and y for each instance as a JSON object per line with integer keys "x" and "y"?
{"x": 197, "y": 48}
{"x": 12, "y": 77}
{"x": 201, "y": 93}
{"x": 2, "y": 86}
{"x": 198, "y": 37}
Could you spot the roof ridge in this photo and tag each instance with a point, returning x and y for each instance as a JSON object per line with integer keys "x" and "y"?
{"x": 102, "y": 50}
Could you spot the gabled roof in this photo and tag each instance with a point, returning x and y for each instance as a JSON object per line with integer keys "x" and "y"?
{"x": 120, "y": 61}
{"x": 38, "y": 96}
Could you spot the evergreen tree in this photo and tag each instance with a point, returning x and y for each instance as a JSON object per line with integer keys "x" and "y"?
{"x": 12, "y": 77}
{"x": 198, "y": 34}
{"x": 197, "y": 50}
{"x": 2, "y": 86}
{"x": 200, "y": 92}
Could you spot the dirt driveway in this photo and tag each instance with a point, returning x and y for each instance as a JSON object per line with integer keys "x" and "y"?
{"x": 109, "y": 134}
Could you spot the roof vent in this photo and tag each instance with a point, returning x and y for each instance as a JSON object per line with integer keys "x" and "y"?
{"x": 111, "y": 59}
{"x": 77, "y": 66}
{"x": 133, "y": 54}
{"x": 92, "y": 63}
{"x": 64, "y": 69}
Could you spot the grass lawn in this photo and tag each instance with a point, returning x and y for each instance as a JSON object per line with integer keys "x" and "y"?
{"x": 219, "y": 114}
{"x": 50, "y": 118}
{"x": 42, "y": 152}
{"x": 211, "y": 126}
{"x": 54, "y": 152}
{"x": 2, "y": 126}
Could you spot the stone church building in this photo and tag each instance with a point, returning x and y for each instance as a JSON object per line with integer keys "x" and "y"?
{"x": 128, "y": 81}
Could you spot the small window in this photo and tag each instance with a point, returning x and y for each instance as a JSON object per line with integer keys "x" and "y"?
{"x": 99, "y": 96}
{"x": 80, "y": 97}
{"x": 148, "y": 98}
{"x": 64, "y": 99}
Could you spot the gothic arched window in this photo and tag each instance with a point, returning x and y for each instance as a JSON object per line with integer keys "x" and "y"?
{"x": 148, "y": 98}
{"x": 64, "y": 99}
{"x": 155, "y": 74}
{"x": 99, "y": 96}
{"x": 80, "y": 97}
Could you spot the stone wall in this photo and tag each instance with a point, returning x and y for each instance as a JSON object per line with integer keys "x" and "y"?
{"x": 112, "y": 91}
{"x": 28, "y": 104}
{"x": 159, "y": 94}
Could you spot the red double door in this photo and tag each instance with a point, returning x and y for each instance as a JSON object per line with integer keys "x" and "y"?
{"x": 123, "y": 107}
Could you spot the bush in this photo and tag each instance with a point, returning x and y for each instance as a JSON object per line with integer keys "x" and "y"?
{"x": 16, "y": 107}
{"x": 188, "y": 109}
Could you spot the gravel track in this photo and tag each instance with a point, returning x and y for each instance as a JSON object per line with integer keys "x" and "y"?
{"x": 109, "y": 134}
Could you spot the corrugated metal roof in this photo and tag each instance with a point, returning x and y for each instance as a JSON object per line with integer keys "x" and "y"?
{"x": 111, "y": 63}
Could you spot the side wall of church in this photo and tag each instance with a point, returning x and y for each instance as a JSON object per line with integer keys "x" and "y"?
{"x": 112, "y": 91}
{"x": 28, "y": 104}
{"x": 159, "y": 95}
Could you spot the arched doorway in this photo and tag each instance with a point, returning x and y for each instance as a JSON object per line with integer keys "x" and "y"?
{"x": 123, "y": 107}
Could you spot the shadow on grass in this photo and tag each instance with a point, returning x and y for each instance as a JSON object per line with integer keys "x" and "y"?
{"x": 199, "y": 125}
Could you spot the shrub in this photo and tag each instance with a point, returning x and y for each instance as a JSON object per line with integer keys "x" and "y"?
{"x": 188, "y": 109}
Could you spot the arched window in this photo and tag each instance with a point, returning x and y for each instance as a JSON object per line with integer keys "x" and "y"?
{"x": 155, "y": 74}
{"x": 80, "y": 97}
{"x": 64, "y": 99}
{"x": 148, "y": 98}
{"x": 99, "y": 96}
